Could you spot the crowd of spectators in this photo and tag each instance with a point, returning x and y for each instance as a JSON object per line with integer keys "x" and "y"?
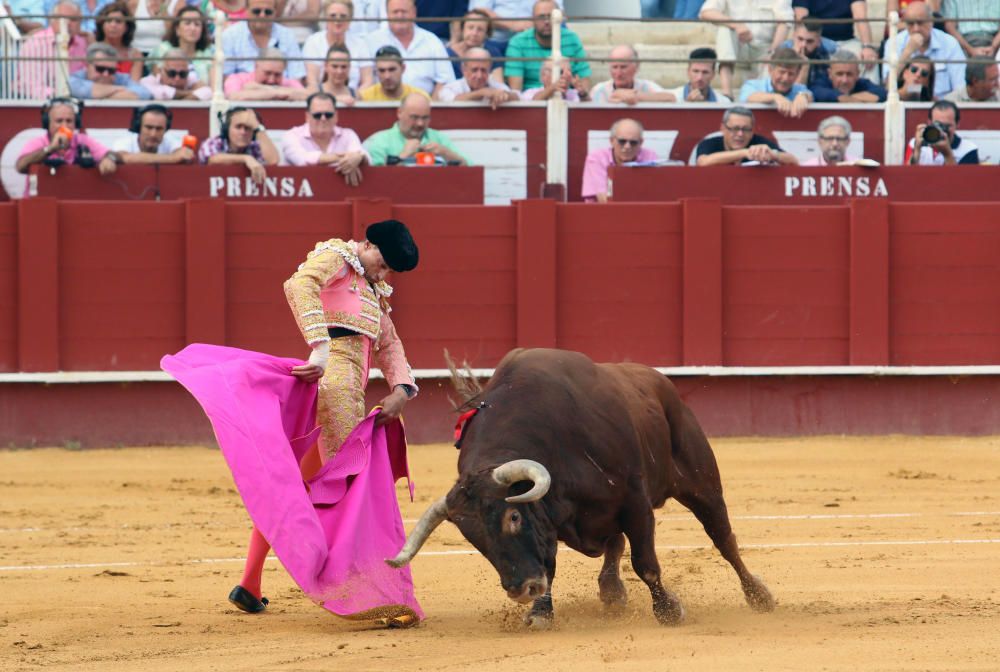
{"x": 334, "y": 53}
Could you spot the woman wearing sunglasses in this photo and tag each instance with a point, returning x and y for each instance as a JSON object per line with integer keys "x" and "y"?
{"x": 337, "y": 15}
{"x": 115, "y": 26}
{"x": 916, "y": 80}
{"x": 188, "y": 32}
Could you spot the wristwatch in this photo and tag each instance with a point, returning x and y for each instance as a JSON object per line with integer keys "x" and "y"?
{"x": 260, "y": 129}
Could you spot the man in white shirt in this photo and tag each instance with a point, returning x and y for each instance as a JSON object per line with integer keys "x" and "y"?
{"x": 476, "y": 83}
{"x": 427, "y": 64}
{"x": 624, "y": 86}
{"x": 147, "y": 141}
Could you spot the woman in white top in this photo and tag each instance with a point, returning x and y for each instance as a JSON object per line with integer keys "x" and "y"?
{"x": 338, "y": 14}
{"x": 148, "y": 34}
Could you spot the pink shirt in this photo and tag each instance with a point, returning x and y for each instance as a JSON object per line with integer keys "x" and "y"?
{"x": 162, "y": 91}
{"x": 97, "y": 150}
{"x": 595, "y": 170}
{"x": 300, "y": 149}
{"x": 818, "y": 160}
{"x": 237, "y": 81}
{"x": 34, "y": 78}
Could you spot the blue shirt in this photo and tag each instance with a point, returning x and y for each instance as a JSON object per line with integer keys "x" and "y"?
{"x": 830, "y": 9}
{"x": 86, "y": 25}
{"x": 81, "y": 87}
{"x": 438, "y": 8}
{"x": 237, "y": 43}
{"x": 752, "y": 86}
{"x": 33, "y": 8}
{"x": 823, "y": 91}
{"x": 944, "y": 47}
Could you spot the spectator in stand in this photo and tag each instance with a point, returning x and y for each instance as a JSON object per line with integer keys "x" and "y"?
{"x": 937, "y": 143}
{"x": 148, "y": 31}
{"x": 389, "y": 72}
{"x": 841, "y": 33}
{"x": 148, "y": 142}
{"x": 684, "y": 9}
{"x": 624, "y": 86}
{"x": 300, "y": 17}
{"x": 235, "y": 10}
{"x": 536, "y": 43}
{"x": 977, "y": 38}
{"x": 834, "y": 137}
{"x": 475, "y": 30}
{"x": 88, "y": 8}
{"x": 746, "y": 44}
{"x": 102, "y": 80}
{"x": 266, "y": 81}
{"x": 116, "y": 27}
{"x": 509, "y": 16}
{"x": 564, "y": 85}
{"x": 780, "y": 88}
{"x": 245, "y": 39}
{"x": 188, "y": 32}
{"x": 176, "y": 80}
{"x": 981, "y": 77}
{"x": 65, "y": 142}
{"x": 922, "y": 39}
{"x": 737, "y": 143}
{"x": 416, "y": 45}
{"x": 336, "y": 32}
{"x": 844, "y": 83}
{"x": 27, "y": 15}
{"x": 412, "y": 134}
{"x": 242, "y": 140}
{"x": 368, "y": 16}
{"x": 808, "y": 42}
{"x": 321, "y": 142}
{"x": 476, "y": 83}
{"x": 336, "y": 74}
{"x": 626, "y": 147}
{"x": 452, "y": 9}
{"x": 915, "y": 82}
{"x": 33, "y": 77}
{"x": 700, "y": 73}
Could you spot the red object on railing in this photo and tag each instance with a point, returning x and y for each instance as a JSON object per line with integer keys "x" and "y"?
{"x": 191, "y": 142}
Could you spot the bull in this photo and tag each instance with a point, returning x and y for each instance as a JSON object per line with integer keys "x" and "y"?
{"x": 565, "y": 450}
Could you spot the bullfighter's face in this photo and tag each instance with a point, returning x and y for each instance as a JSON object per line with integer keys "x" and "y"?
{"x": 517, "y": 539}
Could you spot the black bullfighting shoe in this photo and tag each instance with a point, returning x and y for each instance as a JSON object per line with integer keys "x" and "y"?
{"x": 244, "y": 599}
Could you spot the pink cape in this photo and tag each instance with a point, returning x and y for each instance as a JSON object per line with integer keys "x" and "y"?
{"x": 332, "y": 539}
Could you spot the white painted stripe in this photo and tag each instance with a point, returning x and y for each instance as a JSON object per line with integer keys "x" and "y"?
{"x": 56, "y": 377}
{"x": 686, "y": 547}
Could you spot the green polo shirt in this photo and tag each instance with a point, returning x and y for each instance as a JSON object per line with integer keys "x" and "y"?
{"x": 390, "y": 143}
{"x": 524, "y": 45}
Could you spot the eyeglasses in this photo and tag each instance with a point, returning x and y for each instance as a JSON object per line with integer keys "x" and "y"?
{"x": 923, "y": 73}
{"x": 257, "y": 11}
{"x": 834, "y": 138}
{"x": 736, "y": 130}
{"x": 176, "y": 73}
{"x": 105, "y": 70}
{"x": 322, "y": 115}
{"x": 623, "y": 142}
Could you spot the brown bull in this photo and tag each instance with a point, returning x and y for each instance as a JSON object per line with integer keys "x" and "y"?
{"x": 563, "y": 449}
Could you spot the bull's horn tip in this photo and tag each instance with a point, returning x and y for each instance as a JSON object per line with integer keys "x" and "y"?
{"x": 395, "y": 562}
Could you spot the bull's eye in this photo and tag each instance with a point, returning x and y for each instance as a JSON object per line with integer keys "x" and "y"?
{"x": 511, "y": 521}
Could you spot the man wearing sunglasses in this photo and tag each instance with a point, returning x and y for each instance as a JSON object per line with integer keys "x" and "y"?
{"x": 736, "y": 143}
{"x": 175, "y": 79}
{"x": 243, "y": 41}
{"x": 937, "y": 144}
{"x": 921, "y": 38}
{"x": 266, "y": 82}
{"x": 101, "y": 79}
{"x": 321, "y": 142}
{"x": 626, "y": 147}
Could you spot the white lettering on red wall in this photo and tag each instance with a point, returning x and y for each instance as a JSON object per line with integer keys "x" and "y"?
{"x": 272, "y": 187}
{"x": 811, "y": 186}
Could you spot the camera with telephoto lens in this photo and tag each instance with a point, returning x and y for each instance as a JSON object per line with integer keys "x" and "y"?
{"x": 934, "y": 133}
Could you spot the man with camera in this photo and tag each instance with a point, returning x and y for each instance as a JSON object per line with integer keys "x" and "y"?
{"x": 937, "y": 144}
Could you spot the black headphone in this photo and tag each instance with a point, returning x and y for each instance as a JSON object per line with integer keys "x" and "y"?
{"x": 137, "y": 114}
{"x": 74, "y": 103}
{"x": 227, "y": 118}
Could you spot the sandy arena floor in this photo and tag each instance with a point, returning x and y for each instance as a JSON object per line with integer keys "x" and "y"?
{"x": 883, "y": 553}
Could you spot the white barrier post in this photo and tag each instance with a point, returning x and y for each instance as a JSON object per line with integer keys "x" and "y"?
{"x": 61, "y": 85}
{"x": 556, "y": 114}
{"x": 895, "y": 118}
{"x": 219, "y": 103}
{"x": 10, "y": 39}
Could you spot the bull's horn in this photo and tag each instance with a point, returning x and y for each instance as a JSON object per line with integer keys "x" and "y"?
{"x": 434, "y": 516}
{"x": 524, "y": 470}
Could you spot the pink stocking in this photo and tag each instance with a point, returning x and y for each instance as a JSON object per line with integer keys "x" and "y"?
{"x": 256, "y": 554}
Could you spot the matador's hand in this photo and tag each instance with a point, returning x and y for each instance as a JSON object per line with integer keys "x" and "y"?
{"x": 392, "y": 406}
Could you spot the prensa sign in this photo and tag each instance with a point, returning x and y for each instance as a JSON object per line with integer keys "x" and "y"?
{"x": 835, "y": 186}
{"x": 271, "y": 187}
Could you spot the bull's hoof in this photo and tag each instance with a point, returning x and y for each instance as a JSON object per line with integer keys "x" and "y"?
{"x": 669, "y": 611}
{"x": 758, "y": 596}
{"x": 538, "y": 620}
{"x": 613, "y": 594}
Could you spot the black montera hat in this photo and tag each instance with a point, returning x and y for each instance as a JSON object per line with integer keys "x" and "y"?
{"x": 395, "y": 243}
